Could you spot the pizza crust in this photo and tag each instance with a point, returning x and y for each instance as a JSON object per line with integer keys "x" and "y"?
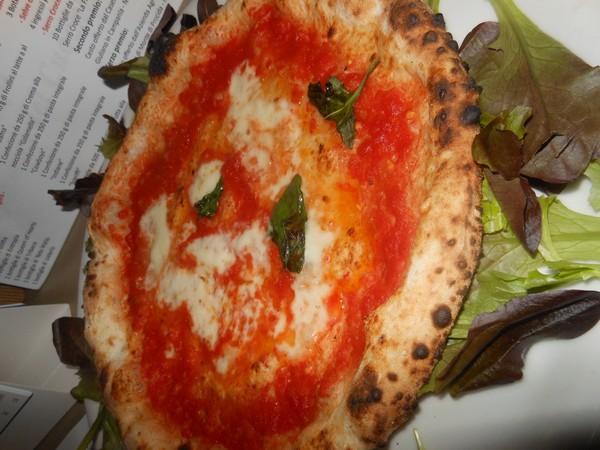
{"x": 405, "y": 335}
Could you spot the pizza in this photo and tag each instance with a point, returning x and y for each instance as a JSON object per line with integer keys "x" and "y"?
{"x": 286, "y": 235}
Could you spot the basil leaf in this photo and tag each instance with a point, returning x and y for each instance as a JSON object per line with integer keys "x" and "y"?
{"x": 207, "y": 205}
{"x": 336, "y": 103}
{"x": 287, "y": 226}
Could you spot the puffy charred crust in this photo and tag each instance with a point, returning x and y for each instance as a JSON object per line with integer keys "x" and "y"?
{"x": 417, "y": 24}
{"x": 365, "y": 393}
{"x": 159, "y": 62}
{"x": 403, "y": 15}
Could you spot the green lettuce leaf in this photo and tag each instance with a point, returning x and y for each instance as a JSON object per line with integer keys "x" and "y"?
{"x": 568, "y": 253}
{"x": 114, "y": 138}
{"x": 593, "y": 173}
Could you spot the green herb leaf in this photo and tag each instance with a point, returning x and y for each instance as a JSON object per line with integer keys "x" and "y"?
{"x": 336, "y": 103}
{"x": 207, "y": 206}
{"x": 134, "y": 69}
{"x": 111, "y": 144}
{"x": 287, "y": 226}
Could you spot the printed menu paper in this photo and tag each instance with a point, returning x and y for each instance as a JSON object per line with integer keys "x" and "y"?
{"x": 51, "y": 108}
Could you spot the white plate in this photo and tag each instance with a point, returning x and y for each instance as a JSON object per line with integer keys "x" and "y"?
{"x": 557, "y": 404}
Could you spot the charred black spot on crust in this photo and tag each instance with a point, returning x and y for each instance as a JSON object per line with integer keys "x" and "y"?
{"x": 330, "y": 32}
{"x": 441, "y": 89}
{"x": 438, "y": 20}
{"x": 398, "y": 397}
{"x": 451, "y": 242}
{"x": 441, "y": 50}
{"x": 398, "y": 19}
{"x": 420, "y": 351}
{"x": 441, "y": 316}
{"x": 461, "y": 262}
{"x": 412, "y": 20}
{"x": 163, "y": 47}
{"x": 184, "y": 447}
{"x": 440, "y": 118}
{"x": 393, "y": 377}
{"x": 453, "y": 45}
{"x": 364, "y": 393}
{"x": 430, "y": 37}
{"x": 470, "y": 115}
{"x": 472, "y": 85}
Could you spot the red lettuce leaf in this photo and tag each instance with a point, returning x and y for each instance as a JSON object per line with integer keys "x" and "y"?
{"x": 520, "y": 206}
{"x": 69, "y": 342}
{"x": 497, "y": 343}
{"x": 81, "y": 194}
{"x": 206, "y": 8}
{"x": 521, "y": 65}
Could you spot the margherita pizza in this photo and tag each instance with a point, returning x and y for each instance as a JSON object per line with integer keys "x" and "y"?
{"x": 285, "y": 237}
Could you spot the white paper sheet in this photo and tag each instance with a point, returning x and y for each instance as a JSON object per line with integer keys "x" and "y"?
{"x": 51, "y": 107}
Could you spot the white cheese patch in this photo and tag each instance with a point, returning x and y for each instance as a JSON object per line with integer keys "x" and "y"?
{"x": 205, "y": 180}
{"x": 259, "y": 114}
{"x": 155, "y": 228}
{"x": 229, "y": 355}
{"x": 311, "y": 289}
{"x": 210, "y": 303}
{"x": 264, "y": 125}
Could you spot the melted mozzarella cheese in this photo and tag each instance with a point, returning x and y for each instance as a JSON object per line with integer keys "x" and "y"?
{"x": 259, "y": 121}
{"x": 311, "y": 289}
{"x": 209, "y": 301}
{"x": 205, "y": 180}
{"x": 154, "y": 226}
{"x": 262, "y": 120}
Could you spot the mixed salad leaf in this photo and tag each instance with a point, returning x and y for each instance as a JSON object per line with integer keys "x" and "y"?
{"x": 519, "y": 66}
{"x": 539, "y": 132}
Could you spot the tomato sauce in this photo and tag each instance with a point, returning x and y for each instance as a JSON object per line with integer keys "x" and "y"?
{"x": 244, "y": 415}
